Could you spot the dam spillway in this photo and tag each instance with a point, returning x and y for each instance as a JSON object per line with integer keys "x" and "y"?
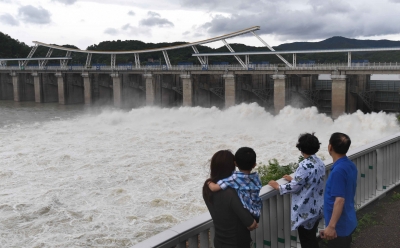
{"x": 346, "y": 91}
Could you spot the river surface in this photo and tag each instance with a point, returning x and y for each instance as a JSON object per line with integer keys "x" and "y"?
{"x": 72, "y": 176}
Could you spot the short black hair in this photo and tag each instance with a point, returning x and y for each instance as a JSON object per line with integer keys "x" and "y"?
{"x": 308, "y": 143}
{"x": 245, "y": 158}
{"x": 340, "y": 142}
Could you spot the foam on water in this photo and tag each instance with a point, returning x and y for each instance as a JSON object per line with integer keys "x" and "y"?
{"x": 115, "y": 178}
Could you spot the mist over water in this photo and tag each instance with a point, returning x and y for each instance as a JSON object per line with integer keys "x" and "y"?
{"x": 113, "y": 178}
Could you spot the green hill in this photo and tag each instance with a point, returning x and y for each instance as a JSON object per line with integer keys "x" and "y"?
{"x": 11, "y": 48}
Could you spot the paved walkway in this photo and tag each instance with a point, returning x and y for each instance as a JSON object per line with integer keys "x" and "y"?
{"x": 379, "y": 223}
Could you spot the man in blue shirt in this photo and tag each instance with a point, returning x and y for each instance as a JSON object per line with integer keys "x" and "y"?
{"x": 340, "y": 190}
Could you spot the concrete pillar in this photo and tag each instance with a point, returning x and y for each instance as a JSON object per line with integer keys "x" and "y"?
{"x": 150, "y": 90}
{"x": 279, "y": 92}
{"x": 187, "y": 90}
{"x": 62, "y": 98}
{"x": 230, "y": 90}
{"x": 87, "y": 88}
{"x": 38, "y": 87}
{"x": 117, "y": 89}
{"x": 338, "y": 95}
{"x": 16, "y": 87}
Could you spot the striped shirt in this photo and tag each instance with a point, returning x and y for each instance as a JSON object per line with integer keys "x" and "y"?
{"x": 248, "y": 187}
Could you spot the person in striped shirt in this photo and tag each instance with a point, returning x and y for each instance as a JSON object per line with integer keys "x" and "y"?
{"x": 246, "y": 183}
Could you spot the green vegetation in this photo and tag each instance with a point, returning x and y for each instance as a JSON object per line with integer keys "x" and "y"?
{"x": 395, "y": 196}
{"x": 275, "y": 171}
{"x": 11, "y": 48}
{"x": 367, "y": 220}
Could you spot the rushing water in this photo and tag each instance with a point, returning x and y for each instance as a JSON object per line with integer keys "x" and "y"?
{"x": 76, "y": 177}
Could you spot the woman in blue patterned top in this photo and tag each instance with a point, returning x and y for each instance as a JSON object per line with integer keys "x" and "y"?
{"x": 307, "y": 188}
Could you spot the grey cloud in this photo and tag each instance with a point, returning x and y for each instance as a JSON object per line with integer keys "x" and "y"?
{"x": 9, "y": 19}
{"x": 126, "y": 26}
{"x": 66, "y": 2}
{"x": 227, "y": 6}
{"x": 330, "y": 7}
{"x": 155, "y": 19}
{"x": 395, "y": 1}
{"x": 153, "y": 14}
{"x": 314, "y": 20}
{"x": 131, "y": 13}
{"x": 127, "y": 29}
{"x": 111, "y": 31}
{"x": 34, "y": 15}
{"x": 186, "y": 33}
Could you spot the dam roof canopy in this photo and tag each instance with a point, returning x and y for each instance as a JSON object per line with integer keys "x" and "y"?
{"x": 217, "y": 38}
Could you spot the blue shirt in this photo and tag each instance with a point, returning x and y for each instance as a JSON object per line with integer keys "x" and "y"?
{"x": 248, "y": 187}
{"x": 307, "y": 188}
{"x": 342, "y": 182}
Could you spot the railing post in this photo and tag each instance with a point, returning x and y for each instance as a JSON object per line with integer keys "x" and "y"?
{"x": 204, "y": 239}
{"x": 379, "y": 169}
{"x": 212, "y": 236}
{"x": 193, "y": 241}
{"x": 181, "y": 245}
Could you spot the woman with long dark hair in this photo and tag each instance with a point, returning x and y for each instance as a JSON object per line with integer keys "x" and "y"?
{"x": 232, "y": 221}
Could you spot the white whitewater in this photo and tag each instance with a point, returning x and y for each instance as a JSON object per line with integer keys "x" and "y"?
{"x": 115, "y": 178}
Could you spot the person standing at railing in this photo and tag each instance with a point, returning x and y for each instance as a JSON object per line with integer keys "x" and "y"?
{"x": 246, "y": 183}
{"x": 232, "y": 221}
{"x": 307, "y": 189}
{"x": 339, "y": 212}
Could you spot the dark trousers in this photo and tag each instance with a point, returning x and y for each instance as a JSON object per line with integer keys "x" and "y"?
{"x": 340, "y": 242}
{"x": 308, "y": 238}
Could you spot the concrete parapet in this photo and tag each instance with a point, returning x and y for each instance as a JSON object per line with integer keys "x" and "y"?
{"x": 338, "y": 95}
{"x": 230, "y": 90}
{"x": 150, "y": 89}
{"x": 187, "y": 90}
{"x": 87, "y": 88}
{"x": 117, "y": 89}
{"x": 38, "y": 87}
{"x": 338, "y": 77}
{"x": 61, "y": 88}
{"x": 279, "y": 92}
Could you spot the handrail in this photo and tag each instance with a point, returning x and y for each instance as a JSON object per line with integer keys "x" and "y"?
{"x": 380, "y": 49}
{"x": 217, "y": 38}
{"x": 378, "y": 171}
{"x": 379, "y": 67}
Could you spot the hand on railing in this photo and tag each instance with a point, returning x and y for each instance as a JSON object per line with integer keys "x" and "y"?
{"x": 287, "y": 177}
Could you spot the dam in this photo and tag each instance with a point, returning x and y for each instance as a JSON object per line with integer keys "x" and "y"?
{"x": 132, "y": 175}
{"x": 349, "y": 87}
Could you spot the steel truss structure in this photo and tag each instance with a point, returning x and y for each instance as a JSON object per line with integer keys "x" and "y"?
{"x": 202, "y": 57}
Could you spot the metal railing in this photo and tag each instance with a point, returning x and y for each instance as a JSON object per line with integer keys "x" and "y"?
{"x": 231, "y": 67}
{"x": 378, "y": 172}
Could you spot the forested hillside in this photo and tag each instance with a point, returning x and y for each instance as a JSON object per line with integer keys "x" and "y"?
{"x": 11, "y": 48}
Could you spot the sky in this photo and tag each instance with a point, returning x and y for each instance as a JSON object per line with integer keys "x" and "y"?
{"x": 87, "y": 22}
